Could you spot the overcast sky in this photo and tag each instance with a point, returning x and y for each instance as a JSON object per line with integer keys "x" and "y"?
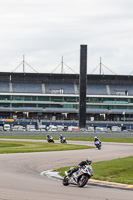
{"x": 46, "y": 30}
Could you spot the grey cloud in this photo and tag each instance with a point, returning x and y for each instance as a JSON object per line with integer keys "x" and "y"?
{"x": 47, "y": 30}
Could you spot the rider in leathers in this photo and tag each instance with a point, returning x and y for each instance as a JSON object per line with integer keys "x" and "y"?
{"x": 60, "y": 138}
{"x": 96, "y": 140}
{"x": 80, "y": 165}
{"x": 48, "y": 137}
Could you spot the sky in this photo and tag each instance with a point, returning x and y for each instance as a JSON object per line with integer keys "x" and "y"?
{"x": 45, "y": 33}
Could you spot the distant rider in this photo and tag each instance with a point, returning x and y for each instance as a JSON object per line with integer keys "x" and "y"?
{"x": 96, "y": 140}
{"x": 48, "y": 137}
{"x": 82, "y": 164}
{"x": 60, "y": 138}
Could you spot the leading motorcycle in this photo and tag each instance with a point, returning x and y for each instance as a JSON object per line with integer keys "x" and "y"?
{"x": 98, "y": 145}
{"x": 80, "y": 177}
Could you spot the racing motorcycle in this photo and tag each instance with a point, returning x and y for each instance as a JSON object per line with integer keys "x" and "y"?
{"x": 50, "y": 139}
{"x": 79, "y": 177}
{"x": 63, "y": 140}
{"x": 98, "y": 145}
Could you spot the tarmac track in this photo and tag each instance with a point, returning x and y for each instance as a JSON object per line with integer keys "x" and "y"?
{"x": 20, "y": 177}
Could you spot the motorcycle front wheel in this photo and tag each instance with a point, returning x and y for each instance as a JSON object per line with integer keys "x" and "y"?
{"x": 82, "y": 181}
{"x": 65, "y": 181}
{"x": 99, "y": 147}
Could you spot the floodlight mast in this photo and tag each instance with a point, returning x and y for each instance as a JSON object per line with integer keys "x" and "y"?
{"x": 62, "y": 66}
{"x": 100, "y": 65}
{"x": 23, "y": 63}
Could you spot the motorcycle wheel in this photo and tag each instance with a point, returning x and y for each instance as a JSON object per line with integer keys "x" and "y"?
{"x": 65, "y": 181}
{"x": 82, "y": 181}
{"x": 99, "y": 147}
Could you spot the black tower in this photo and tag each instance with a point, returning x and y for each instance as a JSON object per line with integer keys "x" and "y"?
{"x": 82, "y": 84}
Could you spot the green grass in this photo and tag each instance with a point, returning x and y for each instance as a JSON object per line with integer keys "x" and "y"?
{"x": 120, "y": 140}
{"x": 118, "y": 170}
{"x": 21, "y": 147}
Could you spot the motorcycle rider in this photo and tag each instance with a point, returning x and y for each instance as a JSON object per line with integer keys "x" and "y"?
{"x": 60, "y": 138}
{"x": 82, "y": 164}
{"x": 96, "y": 140}
{"x": 48, "y": 137}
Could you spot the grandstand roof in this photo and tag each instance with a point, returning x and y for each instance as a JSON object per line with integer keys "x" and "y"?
{"x": 52, "y": 77}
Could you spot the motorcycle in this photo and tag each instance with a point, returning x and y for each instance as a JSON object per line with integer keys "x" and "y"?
{"x": 63, "y": 140}
{"x": 79, "y": 177}
{"x": 50, "y": 139}
{"x": 98, "y": 145}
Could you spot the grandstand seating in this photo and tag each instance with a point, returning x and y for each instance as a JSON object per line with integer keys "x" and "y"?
{"x": 121, "y": 89}
{"x": 59, "y": 88}
{"x": 38, "y": 95}
{"x": 66, "y": 88}
{"x": 20, "y": 87}
{"x": 4, "y": 86}
{"x": 95, "y": 89}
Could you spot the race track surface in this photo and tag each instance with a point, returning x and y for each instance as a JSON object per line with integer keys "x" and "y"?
{"x": 20, "y": 177}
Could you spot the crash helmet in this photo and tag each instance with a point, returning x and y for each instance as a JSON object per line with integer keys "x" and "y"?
{"x": 89, "y": 160}
{"x": 60, "y": 134}
{"x": 95, "y": 137}
{"x": 47, "y": 135}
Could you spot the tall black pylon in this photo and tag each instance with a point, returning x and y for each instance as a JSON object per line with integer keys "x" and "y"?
{"x": 82, "y": 86}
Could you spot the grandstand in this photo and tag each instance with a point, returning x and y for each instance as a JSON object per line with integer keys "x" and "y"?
{"x": 48, "y": 96}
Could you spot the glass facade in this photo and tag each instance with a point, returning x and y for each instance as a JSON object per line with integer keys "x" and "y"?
{"x": 65, "y": 101}
{"x": 97, "y": 104}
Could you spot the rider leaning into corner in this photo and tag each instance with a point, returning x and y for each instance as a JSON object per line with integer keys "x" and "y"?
{"x": 82, "y": 164}
{"x": 96, "y": 140}
{"x": 60, "y": 138}
{"x": 48, "y": 137}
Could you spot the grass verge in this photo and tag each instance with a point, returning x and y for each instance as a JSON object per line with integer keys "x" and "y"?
{"x": 22, "y": 147}
{"x": 119, "y": 140}
{"x": 118, "y": 170}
